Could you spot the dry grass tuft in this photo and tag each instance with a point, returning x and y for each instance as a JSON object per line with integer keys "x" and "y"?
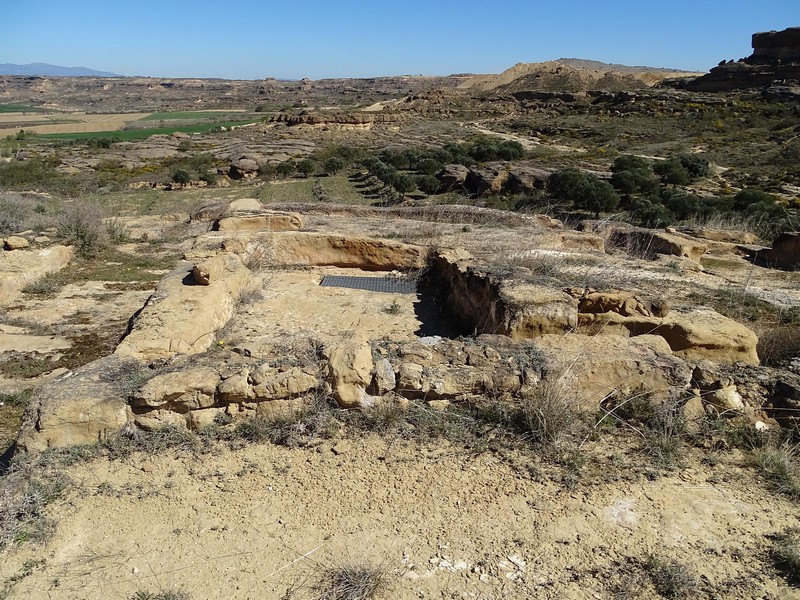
{"x": 780, "y": 466}
{"x": 352, "y": 581}
{"x": 292, "y": 428}
{"x": 260, "y": 257}
{"x": 786, "y": 553}
{"x": 550, "y": 412}
{"x": 779, "y": 345}
{"x": 671, "y": 578}
{"x": 167, "y": 595}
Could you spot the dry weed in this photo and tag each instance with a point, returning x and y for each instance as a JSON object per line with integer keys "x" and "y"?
{"x": 352, "y": 581}
{"x": 82, "y": 224}
{"x": 260, "y": 256}
{"x": 780, "y": 465}
{"x": 786, "y": 553}
{"x": 551, "y": 412}
{"x": 671, "y": 578}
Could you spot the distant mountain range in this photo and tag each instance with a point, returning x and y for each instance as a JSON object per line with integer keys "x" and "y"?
{"x": 51, "y": 70}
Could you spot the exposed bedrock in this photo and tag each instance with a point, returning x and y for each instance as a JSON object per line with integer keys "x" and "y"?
{"x": 313, "y": 249}
{"x": 81, "y": 407}
{"x": 185, "y": 312}
{"x": 490, "y": 305}
{"x": 18, "y": 268}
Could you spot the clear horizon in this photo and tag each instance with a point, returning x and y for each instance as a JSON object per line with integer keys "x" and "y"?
{"x": 256, "y": 40}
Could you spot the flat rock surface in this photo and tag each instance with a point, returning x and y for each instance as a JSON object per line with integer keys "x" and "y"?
{"x": 21, "y": 267}
{"x": 294, "y": 303}
{"x": 32, "y": 343}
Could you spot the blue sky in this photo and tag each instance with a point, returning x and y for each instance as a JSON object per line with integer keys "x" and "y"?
{"x": 249, "y": 39}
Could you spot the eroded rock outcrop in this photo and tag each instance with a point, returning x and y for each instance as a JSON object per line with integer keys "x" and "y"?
{"x": 180, "y": 391}
{"x": 643, "y": 242}
{"x": 81, "y": 407}
{"x": 488, "y": 304}
{"x": 349, "y": 370}
{"x": 775, "y": 58}
{"x": 491, "y": 305}
{"x": 493, "y": 178}
{"x": 452, "y": 178}
{"x": 596, "y": 366}
{"x": 248, "y": 214}
{"x": 785, "y": 251}
{"x": 698, "y": 333}
{"x": 15, "y": 242}
{"x": 182, "y": 317}
{"x": 315, "y": 249}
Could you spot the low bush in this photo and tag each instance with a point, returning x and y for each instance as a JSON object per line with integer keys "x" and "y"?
{"x": 779, "y": 345}
{"x": 14, "y": 213}
{"x": 46, "y": 286}
{"x": 82, "y": 224}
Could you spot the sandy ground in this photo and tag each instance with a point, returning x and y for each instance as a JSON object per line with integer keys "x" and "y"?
{"x": 265, "y": 521}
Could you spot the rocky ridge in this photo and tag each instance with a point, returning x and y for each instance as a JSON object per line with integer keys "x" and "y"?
{"x": 523, "y": 332}
{"x": 773, "y": 66}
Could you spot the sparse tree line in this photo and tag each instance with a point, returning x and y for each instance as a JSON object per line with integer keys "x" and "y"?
{"x": 642, "y": 191}
{"x": 405, "y": 171}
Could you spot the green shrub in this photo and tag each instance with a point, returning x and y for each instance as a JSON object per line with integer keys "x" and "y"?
{"x": 333, "y": 165}
{"x": 306, "y": 167}
{"x": 672, "y": 172}
{"x": 695, "y": 164}
{"x": 428, "y": 184}
{"x": 752, "y": 200}
{"x": 210, "y": 177}
{"x": 285, "y": 168}
{"x": 585, "y": 190}
{"x": 181, "y": 176}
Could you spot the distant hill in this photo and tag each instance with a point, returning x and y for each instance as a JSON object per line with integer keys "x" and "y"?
{"x": 572, "y": 75}
{"x": 51, "y": 70}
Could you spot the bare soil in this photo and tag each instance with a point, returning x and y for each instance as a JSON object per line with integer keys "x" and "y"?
{"x": 264, "y": 522}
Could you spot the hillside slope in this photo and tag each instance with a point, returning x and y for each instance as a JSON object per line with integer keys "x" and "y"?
{"x": 569, "y": 74}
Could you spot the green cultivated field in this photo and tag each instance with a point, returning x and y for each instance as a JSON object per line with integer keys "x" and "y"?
{"x": 141, "y": 134}
{"x": 17, "y": 108}
{"x": 183, "y": 115}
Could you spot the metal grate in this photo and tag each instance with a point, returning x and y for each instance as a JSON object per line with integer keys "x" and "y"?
{"x": 390, "y": 285}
